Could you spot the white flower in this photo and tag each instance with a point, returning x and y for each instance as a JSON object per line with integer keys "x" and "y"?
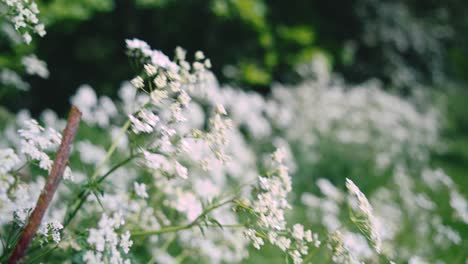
{"x": 138, "y": 82}
{"x": 278, "y": 155}
{"x": 34, "y": 66}
{"x": 180, "y": 53}
{"x": 158, "y": 95}
{"x": 35, "y": 140}
{"x": 207, "y": 63}
{"x": 150, "y": 69}
{"x": 283, "y": 243}
{"x": 145, "y": 122}
{"x": 365, "y": 211}
{"x": 136, "y": 44}
{"x": 298, "y": 232}
{"x": 219, "y": 109}
{"x": 256, "y": 241}
{"x": 199, "y": 55}
{"x": 125, "y": 242}
{"x": 8, "y": 160}
{"x": 67, "y": 174}
{"x": 40, "y": 29}
{"x": 27, "y": 38}
{"x": 184, "y": 98}
{"x": 23, "y": 15}
{"x": 140, "y": 190}
{"x": 160, "y": 81}
{"x": 181, "y": 171}
{"x": 188, "y": 203}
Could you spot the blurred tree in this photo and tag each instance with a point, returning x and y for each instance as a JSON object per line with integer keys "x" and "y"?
{"x": 251, "y": 42}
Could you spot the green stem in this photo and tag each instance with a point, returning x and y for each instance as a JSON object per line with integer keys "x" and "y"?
{"x": 171, "y": 229}
{"x": 111, "y": 150}
{"x": 117, "y": 166}
{"x": 83, "y": 195}
{"x": 44, "y": 253}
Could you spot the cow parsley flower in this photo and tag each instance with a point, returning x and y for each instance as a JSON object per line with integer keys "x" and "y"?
{"x": 35, "y": 66}
{"x": 95, "y": 110}
{"x": 181, "y": 170}
{"x": 140, "y": 190}
{"x": 138, "y": 82}
{"x": 269, "y": 208}
{"x": 35, "y": 140}
{"x": 145, "y": 121}
{"x": 23, "y": 16}
{"x": 106, "y": 242}
{"x": 364, "y": 217}
{"x": 8, "y": 160}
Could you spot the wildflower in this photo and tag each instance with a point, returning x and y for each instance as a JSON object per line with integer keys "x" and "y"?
{"x": 8, "y": 160}
{"x": 187, "y": 202}
{"x": 140, "y": 190}
{"x": 125, "y": 242}
{"x": 150, "y": 69}
{"x": 184, "y": 99}
{"x": 40, "y": 29}
{"x": 106, "y": 241}
{"x": 257, "y": 241}
{"x": 136, "y": 44}
{"x": 298, "y": 232}
{"x": 144, "y": 122}
{"x": 138, "y": 82}
{"x": 34, "y": 66}
{"x": 220, "y": 110}
{"x": 207, "y": 63}
{"x": 35, "y": 140}
{"x": 199, "y": 55}
{"x": 180, "y": 53}
{"x": 160, "y": 81}
{"x": 27, "y": 38}
{"x": 365, "y": 211}
{"x": 67, "y": 174}
{"x": 181, "y": 171}
{"x": 23, "y": 15}
{"x": 158, "y": 95}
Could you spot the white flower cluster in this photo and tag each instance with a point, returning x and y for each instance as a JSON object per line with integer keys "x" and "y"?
{"x": 269, "y": 209}
{"x": 181, "y": 143}
{"x": 178, "y": 165}
{"x": 363, "y": 216}
{"x": 323, "y": 110}
{"x": 23, "y": 15}
{"x": 12, "y": 79}
{"x": 383, "y": 223}
{"x": 272, "y": 199}
{"x": 20, "y": 186}
{"x": 397, "y": 30}
{"x": 51, "y": 229}
{"x": 341, "y": 254}
{"x": 36, "y": 141}
{"x": 8, "y": 160}
{"x": 95, "y": 110}
{"x": 35, "y": 66}
{"x": 107, "y": 244}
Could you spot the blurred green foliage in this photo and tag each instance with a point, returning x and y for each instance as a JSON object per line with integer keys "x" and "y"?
{"x": 251, "y": 42}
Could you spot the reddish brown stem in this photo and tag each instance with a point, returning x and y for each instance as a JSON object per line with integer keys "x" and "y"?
{"x": 50, "y": 186}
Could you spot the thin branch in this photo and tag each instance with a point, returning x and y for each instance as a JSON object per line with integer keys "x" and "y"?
{"x": 50, "y": 186}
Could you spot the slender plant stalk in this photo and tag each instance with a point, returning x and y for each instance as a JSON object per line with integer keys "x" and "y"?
{"x": 50, "y": 186}
{"x": 171, "y": 229}
{"x": 111, "y": 150}
{"x": 83, "y": 195}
